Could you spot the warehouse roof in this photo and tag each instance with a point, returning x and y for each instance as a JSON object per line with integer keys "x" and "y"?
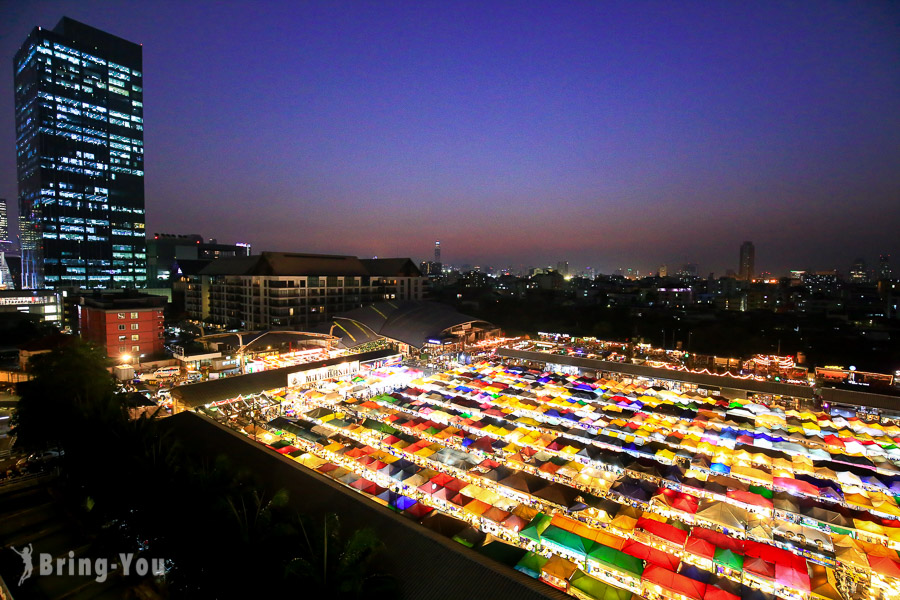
{"x": 408, "y": 321}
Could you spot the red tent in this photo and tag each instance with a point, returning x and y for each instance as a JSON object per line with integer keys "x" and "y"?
{"x": 720, "y": 540}
{"x": 700, "y": 547}
{"x": 670, "y": 533}
{"x": 769, "y": 553}
{"x": 461, "y": 499}
{"x": 714, "y": 593}
{"x": 750, "y": 498}
{"x": 674, "y": 582}
{"x": 685, "y": 503}
{"x": 442, "y": 478}
{"x": 759, "y": 567}
{"x": 884, "y": 565}
{"x": 651, "y": 555}
{"x": 455, "y": 484}
{"x": 419, "y": 510}
{"x": 796, "y": 485}
{"x": 795, "y": 579}
{"x": 361, "y": 484}
{"x": 549, "y": 467}
{"x": 514, "y": 522}
{"x": 429, "y": 487}
{"x": 833, "y": 440}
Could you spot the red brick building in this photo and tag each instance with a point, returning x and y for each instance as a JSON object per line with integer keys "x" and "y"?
{"x": 125, "y": 323}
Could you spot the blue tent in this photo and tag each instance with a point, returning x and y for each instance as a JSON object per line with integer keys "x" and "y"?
{"x": 402, "y": 502}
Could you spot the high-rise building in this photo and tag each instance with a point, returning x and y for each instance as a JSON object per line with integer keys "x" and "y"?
{"x": 747, "y": 262}
{"x": 80, "y": 158}
{"x": 884, "y": 266}
{"x": 563, "y": 268}
{"x": 858, "y": 272}
{"x": 4, "y": 224}
{"x": 437, "y": 252}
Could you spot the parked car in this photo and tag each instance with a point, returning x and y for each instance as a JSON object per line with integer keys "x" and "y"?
{"x": 40, "y": 457}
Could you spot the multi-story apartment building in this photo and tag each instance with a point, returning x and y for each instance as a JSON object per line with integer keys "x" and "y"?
{"x": 80, "y": 158}
{"x": 126, "y": 324}
{"x": 295, "y": 291}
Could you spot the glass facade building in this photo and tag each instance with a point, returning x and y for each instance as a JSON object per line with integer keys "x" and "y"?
{"x": 80, "y": 159}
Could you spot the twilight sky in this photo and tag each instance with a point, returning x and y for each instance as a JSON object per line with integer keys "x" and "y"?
{"x": 518, "y": 133}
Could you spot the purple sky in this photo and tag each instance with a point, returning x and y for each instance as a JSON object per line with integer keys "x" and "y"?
{"x": 517, "y": 133}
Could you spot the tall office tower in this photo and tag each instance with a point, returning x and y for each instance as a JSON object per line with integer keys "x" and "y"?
{"x": 437, "y": 252}
{"x": 4, "y": 224}
{"x": 748, "y": 259}
{"x": 884, "y": 266}
{"x": 858, "y": 273}
{"x": 80, "y": 158}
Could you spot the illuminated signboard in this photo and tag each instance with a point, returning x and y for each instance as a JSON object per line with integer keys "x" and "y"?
{"x": 332, "y": 372}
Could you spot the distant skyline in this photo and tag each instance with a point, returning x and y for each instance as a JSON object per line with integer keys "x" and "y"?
{"x": 518, "y": 134}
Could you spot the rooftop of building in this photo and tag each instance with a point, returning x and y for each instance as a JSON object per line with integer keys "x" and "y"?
{"x": 287, "y": 264}
{"x": 122, "y": 300}
{"x": 409, "y": 321}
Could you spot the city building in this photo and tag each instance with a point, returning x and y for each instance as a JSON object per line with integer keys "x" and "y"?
{"x": 80, "y": 158}
{"x": 562, "y": 267}
{"x": 166, "y": 250}
{"x": 128, "y": 324}
{"x": 747, "y": 261}
{"x": 858, "y": 272}
{"x": 4, "y": 225}
{"x": 42, "y": 305}
{"x": 284, "y": 290}
{"x": 884, "y": 267}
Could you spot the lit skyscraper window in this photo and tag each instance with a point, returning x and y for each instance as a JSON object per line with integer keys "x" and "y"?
{"x": 80, "y": 157}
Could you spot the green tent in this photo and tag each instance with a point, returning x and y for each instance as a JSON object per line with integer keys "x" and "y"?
{"x": 567, "y": 540}
{"x": 531, "y": 564}
{"x": 597, "y": 589}
{"x": 617, "y": 560}
{"x": 531, "y": 533}
{"x": 729, "y": 559}
{"x": 541, "y": 522}
{"x": 764, "y": 492}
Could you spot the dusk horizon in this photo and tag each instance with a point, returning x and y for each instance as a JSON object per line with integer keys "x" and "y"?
{"x": 607, "y": 136}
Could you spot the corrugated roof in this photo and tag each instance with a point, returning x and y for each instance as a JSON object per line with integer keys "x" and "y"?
{"x": 409, "y": 321}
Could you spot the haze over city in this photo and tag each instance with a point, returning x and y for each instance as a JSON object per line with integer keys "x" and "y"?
{"x": 611, "y": 135}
